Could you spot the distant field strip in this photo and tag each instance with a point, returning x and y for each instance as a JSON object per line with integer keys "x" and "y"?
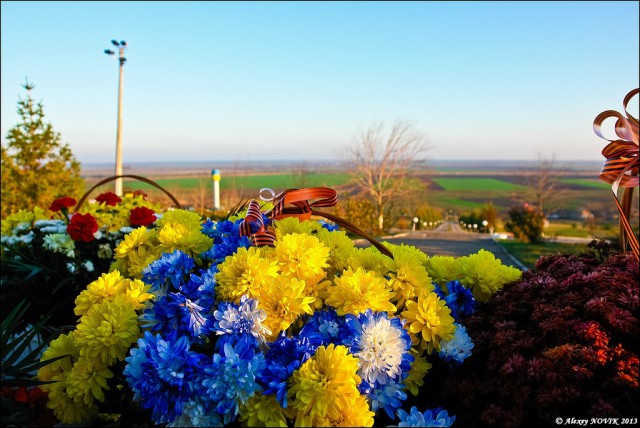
{"x": 276, "y": 182}
{"x": 479, "y": 184}
{"x": 587, "y": 182}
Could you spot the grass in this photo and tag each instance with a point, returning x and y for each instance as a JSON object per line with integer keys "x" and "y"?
{"x": 577, "y": 230}
{"x": 587, "y": 182}
{"x": 529, "y": 253}
{"x": 474, "y": 184}
{"x": 276, "y": 182}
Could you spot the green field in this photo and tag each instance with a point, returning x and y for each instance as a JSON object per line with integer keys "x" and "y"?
{"x": 587, "y": 182}
{"x": 276, "y": 182}
{"x": 474, "y": 184}
{"x": 528, "y": 254}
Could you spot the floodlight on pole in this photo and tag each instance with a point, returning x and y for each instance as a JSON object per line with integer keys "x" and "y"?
{"x": 122, "y": 45}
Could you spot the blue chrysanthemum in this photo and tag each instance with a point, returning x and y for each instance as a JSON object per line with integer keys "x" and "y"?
{"x": 388, "y": 397}
{"x": 201, "y": 287}
{"x": 457, "y": 349}
{"x": 170, "y": 270}
{"x": 460, "y": 300}
{"x": 325, "y": 327}
{"x": 226, "y": 239}
{"x": 162, "y": 374}
{"x": 196, "y": 413}
{"x": 437, "y": 417}
{"x": 381, "y": 345}
{"x": 329, "y": 226}
{"x": 174, "y": 312}
{"x": 230, "y": 378}
{"x": 240, "y": 322}
{"x": 284, "y": 356}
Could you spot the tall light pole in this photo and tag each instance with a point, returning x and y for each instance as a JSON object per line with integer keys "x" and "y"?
{"x": 121, "y": 46}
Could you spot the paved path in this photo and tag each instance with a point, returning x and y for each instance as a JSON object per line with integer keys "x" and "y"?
{"x": 450, "y": 240}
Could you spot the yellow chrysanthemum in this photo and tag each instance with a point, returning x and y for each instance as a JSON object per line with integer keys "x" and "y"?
{"x": 244, "y": 273}
{"x": 356, "y": 291}
{"x": 135, "y": 239}
{"x": 62, "y": 345}
{"x": 283, "y": 299}
{"x": 358, "y": 414}
{"x": 290, "y": 225}
{"x": 22, "y": 216}
{"x": 484, "y": 275}
{"x": 431, "y": 317}
{"x": 263, "y": 411}
{"x": 104, "y": 288}
{"x": 370, "y": 259}
{"x": 340, "y": 248}
{"x": 87, "y": 381}
{"x": 64, "y": 408}
{"x": 325, "y": 384}
{"x": 442, "y": 269}
{"x": 302, "y": 255}
{"x": 419, "y": 368}
{"x": 107, "y": 330}
{"x": 138, "y": 293}
{"x": 409, "y": 276}
{"x": 188, "y": 218}
{"x": 185, "y": 237}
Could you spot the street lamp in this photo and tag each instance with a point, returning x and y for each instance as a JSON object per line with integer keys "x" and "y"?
{"x": 121, "y": 46}
{"x": 485, "y": 223}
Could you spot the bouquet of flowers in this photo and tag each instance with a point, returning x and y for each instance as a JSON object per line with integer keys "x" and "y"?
{"x": 51, "y": 255}
{"x": 201, "y": 327}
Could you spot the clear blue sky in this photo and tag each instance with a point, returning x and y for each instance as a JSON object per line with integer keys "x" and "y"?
{"x": 288, "y": 80}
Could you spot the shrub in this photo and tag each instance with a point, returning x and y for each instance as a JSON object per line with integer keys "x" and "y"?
{"x": 525, "y": 223}
{"x": 561, "y": 342}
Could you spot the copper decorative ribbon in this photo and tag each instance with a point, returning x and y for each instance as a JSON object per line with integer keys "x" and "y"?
{"x": 621, "y": 166}
{"x": 296, "y": 203}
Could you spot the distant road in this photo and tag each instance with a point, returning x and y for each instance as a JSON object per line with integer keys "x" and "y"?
{"x": 449, "y": 239}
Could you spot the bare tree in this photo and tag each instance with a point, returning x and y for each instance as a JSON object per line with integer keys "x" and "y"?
{"x": 380, "y": 161}
{"x": 543, "y": 183}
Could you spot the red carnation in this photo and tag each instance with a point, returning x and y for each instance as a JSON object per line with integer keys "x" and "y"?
{"x": 108, "y": 198}
{"x": 141, "y": 216}
{"x": 61, "y": 203}
{"x": 82, "y": 227}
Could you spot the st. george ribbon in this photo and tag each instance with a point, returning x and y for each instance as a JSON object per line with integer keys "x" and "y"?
{"x": 295, "y": 203}
{"x": 621, "y": 166}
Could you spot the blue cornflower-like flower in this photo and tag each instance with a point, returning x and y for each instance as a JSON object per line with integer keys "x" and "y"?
{"x": 325, "y": 327}
{"x": 329, "y": 226}
{"x": 437, "y": 417}
{"x": 226, "y": 239}
{"x": 174, "y": 312}
{"x": 381, "y": 345}
{"x": 230, "y": 378}
{"x": 457, "y": 349}
{"x": 460, "y": 300}
{"x": 240, "y": 322}
{"x": 388, "y": 397}
{"x": 162, "y": 374}
{"x": 170, "y": 270}
{"x": 284, "y": 356}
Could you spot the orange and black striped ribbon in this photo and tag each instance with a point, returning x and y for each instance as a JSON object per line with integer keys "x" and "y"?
{"x": 295, "y": 203}
{"x": 621, "y": 166}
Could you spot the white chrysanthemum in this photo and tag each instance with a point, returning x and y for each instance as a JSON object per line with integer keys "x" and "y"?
{"x": 60, "y": 243}
{"x": 26, "y": 239}
{"x": 51, "y": 226}
{"x": 71, "y": 267}
{"x": 21, "y": 227}
{"x": 457, "y": 349}
{"x": 246, "y": 318}
{"x": 380, "y": 350}
{"x": 126, "y": 229}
